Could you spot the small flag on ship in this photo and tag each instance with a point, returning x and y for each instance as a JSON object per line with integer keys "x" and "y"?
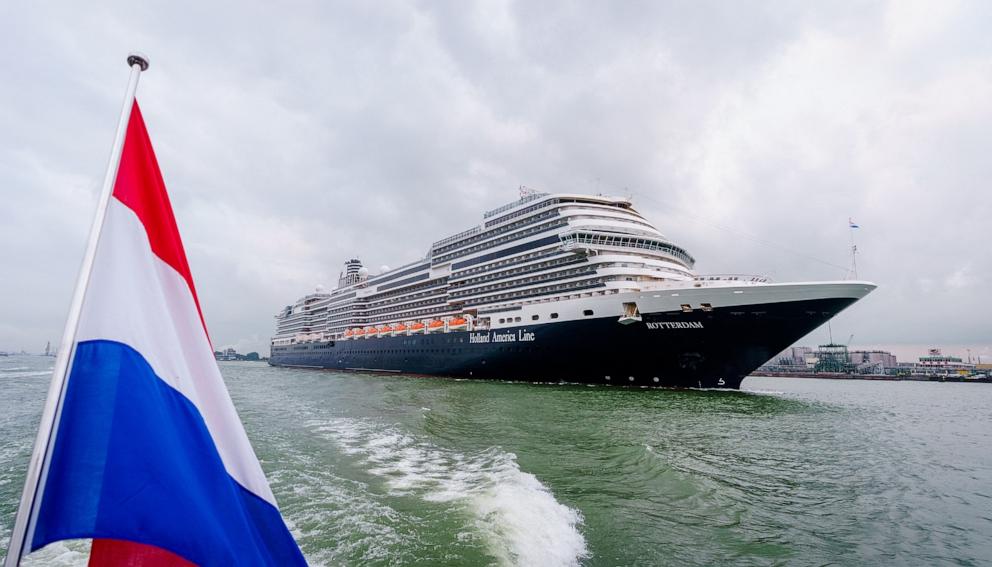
{"x": 851, "y": 223}
{"x": 140, "y": 447}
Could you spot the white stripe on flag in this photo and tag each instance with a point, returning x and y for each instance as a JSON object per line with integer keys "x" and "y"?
{"x": 137, "y": 299}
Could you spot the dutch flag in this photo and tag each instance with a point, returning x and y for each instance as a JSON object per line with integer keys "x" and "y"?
{"x": 147, "y": 455}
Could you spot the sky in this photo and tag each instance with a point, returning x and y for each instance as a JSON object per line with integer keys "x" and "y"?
{"x": 295, "y": 135}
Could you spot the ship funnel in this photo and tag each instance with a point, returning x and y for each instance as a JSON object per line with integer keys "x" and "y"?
{"x": 352, "y": 272}
{"x": 352, "y": 266}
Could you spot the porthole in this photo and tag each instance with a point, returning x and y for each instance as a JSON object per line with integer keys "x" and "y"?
{"x": 534, "y": 317}
{"x": 554, "y": 315}
{"x": 587, "y": 312}
{"x": 686, "y": 308}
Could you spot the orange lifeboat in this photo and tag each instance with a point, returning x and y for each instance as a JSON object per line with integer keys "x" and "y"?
{"x": 435, "y": 326}
{"x": 371, "y": 331}
{"x": 457, "y": 324}
{"x": 399, "y": 328}
{"x": 385, "y": 331}
{"x": 347, "y": 334}
{"x": 358, "y": 333}
{"x": 417, "y": 328}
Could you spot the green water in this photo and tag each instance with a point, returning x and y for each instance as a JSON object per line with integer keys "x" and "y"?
{"x": 393, "y": 470}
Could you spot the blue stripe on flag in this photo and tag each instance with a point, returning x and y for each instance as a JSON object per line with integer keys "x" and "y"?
{"x": 133, "y": 460}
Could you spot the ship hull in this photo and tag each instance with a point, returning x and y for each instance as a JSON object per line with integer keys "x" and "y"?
{"x": 717, "y": 348}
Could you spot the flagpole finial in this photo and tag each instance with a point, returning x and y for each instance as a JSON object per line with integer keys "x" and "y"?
{"x": 137, "y": 59}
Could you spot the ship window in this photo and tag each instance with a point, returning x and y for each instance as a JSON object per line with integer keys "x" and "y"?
{"x": 554, "y": 315}
{"x": 706, "y": 306}
{"x": 534, "y": 317}
{"x": 686, "y": 308}
{"x": 502, "y": 320}
{"x": 587, "y": 312}
{"x": 517, "y": 319}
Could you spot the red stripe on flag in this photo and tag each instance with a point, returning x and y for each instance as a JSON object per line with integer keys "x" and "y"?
{"x": 120, "y": 553}
{"x": 140, "y": 187}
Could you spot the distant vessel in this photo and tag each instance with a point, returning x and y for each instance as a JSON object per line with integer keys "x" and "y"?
{"x": 48, "y": 349}
{"x": 946, "y": 368}
{"x": 556, "y": 287}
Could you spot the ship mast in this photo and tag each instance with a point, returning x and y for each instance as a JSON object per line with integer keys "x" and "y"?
{"x": 854, "y": 249}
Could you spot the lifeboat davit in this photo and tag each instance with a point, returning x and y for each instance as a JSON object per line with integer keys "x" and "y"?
{"x": 417, "y": 328}
{"x": 435, "y": 326}
{"x": 457, "y": 324}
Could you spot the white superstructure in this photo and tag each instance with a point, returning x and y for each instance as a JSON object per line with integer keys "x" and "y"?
{"x": 540, "y": 249}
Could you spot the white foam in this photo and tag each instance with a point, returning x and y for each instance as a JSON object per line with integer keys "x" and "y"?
{"x": 517, "y": 516}
{"x": 69, "y": 553}
{"x": 6, "y": 374}
{"x": 321, "y": 503}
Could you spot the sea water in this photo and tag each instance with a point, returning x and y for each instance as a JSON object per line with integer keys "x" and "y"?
{"x": 398, "y": 470}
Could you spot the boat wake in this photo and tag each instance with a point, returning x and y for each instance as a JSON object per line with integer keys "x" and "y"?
{"x": 765, "y": 392}
{"x": 72, "y": 553}
{"x": 518, "y": 518}
{"x": 19, "y": 374}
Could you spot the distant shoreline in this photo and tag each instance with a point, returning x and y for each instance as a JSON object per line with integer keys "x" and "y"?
{"x": 882, "y": 377}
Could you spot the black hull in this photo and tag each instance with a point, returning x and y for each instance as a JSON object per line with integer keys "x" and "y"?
{"x": 715, "y": 349}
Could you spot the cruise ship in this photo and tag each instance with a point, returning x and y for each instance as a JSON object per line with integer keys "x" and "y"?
{"x": 556, "y": 288}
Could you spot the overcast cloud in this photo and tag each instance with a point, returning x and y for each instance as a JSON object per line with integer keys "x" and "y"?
{"x": 293, "y": 136}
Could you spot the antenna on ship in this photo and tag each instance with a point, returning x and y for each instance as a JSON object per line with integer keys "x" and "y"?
{"x": 527, "y": 191}
{"x": 854, "y": 249}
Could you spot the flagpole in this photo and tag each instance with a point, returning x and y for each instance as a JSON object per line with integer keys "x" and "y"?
{"x": 38, "y": 465}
